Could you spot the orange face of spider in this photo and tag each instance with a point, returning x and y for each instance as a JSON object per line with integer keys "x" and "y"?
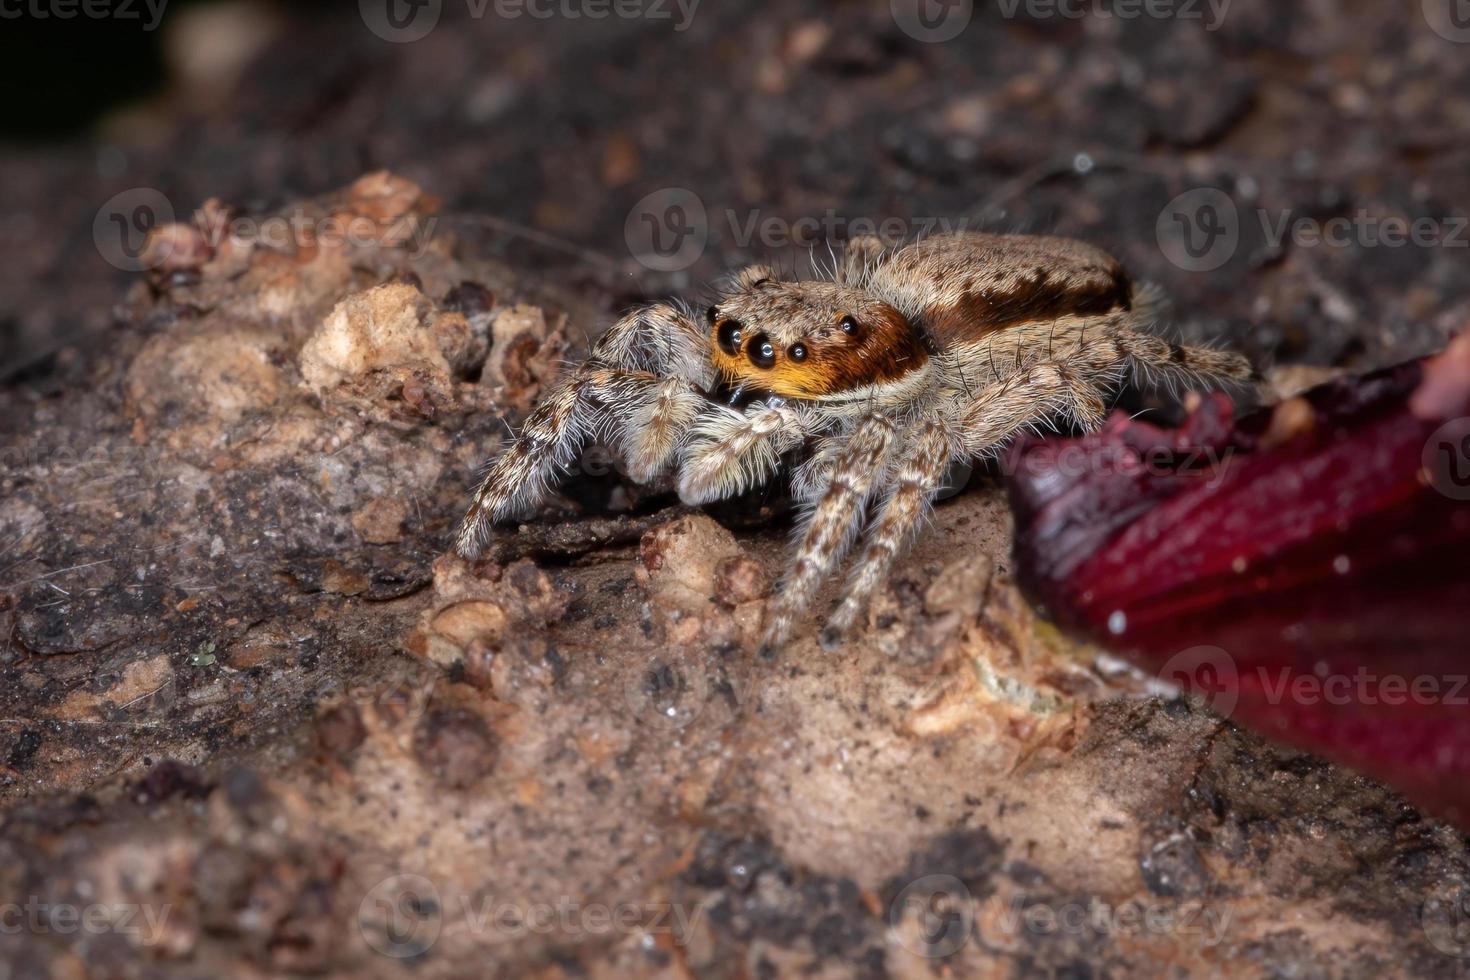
{"x": 810, "y": 340}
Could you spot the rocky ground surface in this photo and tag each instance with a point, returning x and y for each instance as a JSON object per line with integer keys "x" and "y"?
{"x": 255, "y": 721}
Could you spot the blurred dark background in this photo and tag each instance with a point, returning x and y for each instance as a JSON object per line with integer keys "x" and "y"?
{"x": 562, "y": 140}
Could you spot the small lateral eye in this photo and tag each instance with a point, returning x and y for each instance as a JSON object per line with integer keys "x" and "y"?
{"x": 762, "y": 351}
{"x": 713, "y": 313}
{"x": 797, "y": 352}
{"x": 849, "y": 325}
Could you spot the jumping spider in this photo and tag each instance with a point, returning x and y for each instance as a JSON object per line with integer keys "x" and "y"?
{"x": 881, "y": 376}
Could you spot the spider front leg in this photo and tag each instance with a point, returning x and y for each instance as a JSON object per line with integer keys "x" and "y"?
{"x": 1035, "y": 395}
{"x": 729, "y": 452}
{"x": 832, "y": 525}
{"x": 642, "y": 385}
{"x": 919, "y": 476}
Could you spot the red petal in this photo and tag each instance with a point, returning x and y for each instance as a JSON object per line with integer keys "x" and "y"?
{"x": 1319, "y": 552}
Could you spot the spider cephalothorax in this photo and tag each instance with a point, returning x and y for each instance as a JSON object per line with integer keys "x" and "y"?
{"x": 904, "y": 362}
{"x": 812, "y": 340}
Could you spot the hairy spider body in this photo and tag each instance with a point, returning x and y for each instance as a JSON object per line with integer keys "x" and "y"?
{"x": 902, "y": 363}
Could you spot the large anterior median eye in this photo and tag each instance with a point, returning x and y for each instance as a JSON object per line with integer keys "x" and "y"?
{"x": 729, "y": 337}
{"x": 762, "y": 351}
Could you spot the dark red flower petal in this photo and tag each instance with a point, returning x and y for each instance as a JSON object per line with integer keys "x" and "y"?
{"x": 1309, "y": 565}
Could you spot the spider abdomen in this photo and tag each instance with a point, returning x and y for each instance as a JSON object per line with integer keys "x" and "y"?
{"x": 962, "y": 288}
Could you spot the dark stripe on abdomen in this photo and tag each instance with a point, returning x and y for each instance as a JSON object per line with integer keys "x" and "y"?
{"x": 1039, "y": 297}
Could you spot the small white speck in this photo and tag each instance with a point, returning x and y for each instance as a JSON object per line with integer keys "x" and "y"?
{"x": 1117, "y": 622}
{"x": 1238, "y": 566}
{"x": 1342, "y": 564}
{"x": 1082, "y": 163}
